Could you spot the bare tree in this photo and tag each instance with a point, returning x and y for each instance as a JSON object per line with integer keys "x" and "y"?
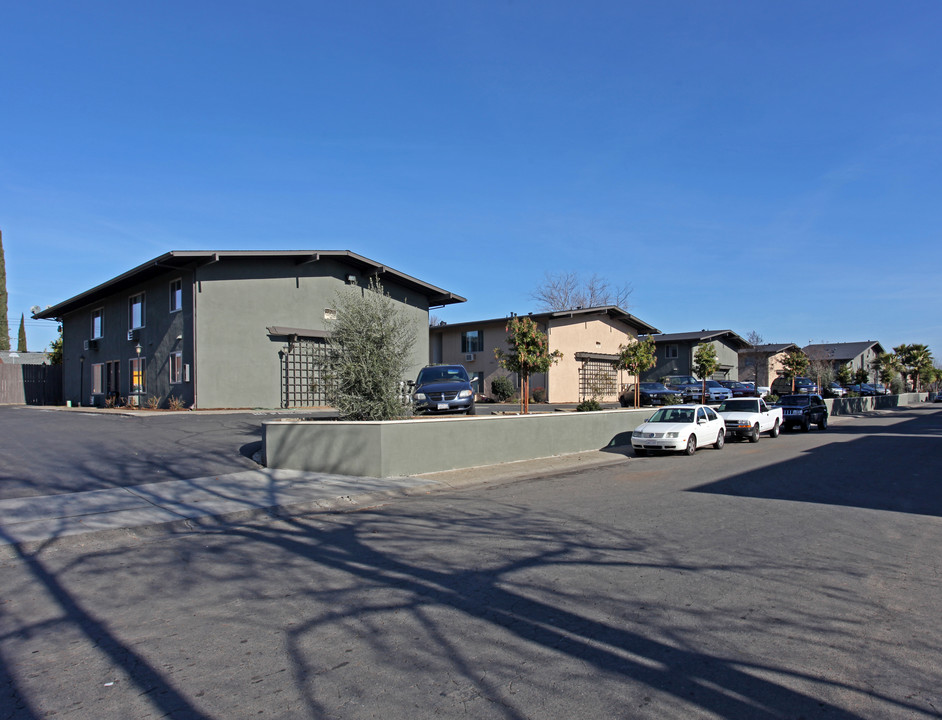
{"x": 755, "y": 339}
{"x": 568, "y": 290}
{"x": 434, "y": 320}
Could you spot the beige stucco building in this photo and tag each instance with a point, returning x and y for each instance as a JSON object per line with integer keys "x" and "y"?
{"x": 763, "y": 363}
{"x": 588, "y": 338}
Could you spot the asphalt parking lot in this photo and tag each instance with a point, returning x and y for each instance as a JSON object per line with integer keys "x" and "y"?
{"x": 46, "y": 451}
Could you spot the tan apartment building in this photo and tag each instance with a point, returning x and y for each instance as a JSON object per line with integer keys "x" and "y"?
{"x": 588, "y": 338}
{"x": 763, "y": 363}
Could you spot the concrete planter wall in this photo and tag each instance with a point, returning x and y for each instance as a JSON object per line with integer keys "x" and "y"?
{"x": 411, "y": 447}
{"x": 854, "y": 406}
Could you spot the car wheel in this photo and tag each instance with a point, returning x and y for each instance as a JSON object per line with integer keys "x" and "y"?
{"x": 754, "y": 437}
{"x": 640, "y": 452}
{"x": 472, "y": 411}
{"x": 805, "y": 425}
{"x": 720, "y": 440}
{"x": 623, "y": 402}
{"x": 775, "y": 430}
{"x": 823, "y": 425}
{"x": 691, "y": 445}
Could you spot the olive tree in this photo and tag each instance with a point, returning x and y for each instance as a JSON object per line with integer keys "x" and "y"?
{"x": 371, "y": 345}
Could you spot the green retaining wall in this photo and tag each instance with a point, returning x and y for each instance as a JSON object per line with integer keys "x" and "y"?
{"x": 412, "y": 447}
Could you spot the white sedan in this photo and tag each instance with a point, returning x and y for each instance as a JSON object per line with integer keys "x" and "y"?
{"x": 680, "y": 427}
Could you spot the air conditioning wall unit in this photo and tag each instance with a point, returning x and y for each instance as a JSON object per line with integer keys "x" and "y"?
{"x": 469, "y": 357}
{"x": 91, "y": 345}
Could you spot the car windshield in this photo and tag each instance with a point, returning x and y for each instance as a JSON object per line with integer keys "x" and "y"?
{"x": 795, "y": 400}
{"x": 713, "y": 383}
{"x": 439, "y": 374}
{"x": 652, "y": 386}
{"x": 673, "y": 415}
{"x": 803, "y": 382}
{"x": 737, "y": 406}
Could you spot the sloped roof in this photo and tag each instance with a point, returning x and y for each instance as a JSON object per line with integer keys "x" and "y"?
{"x": 176, "y": 259}
{"x": 841, "y": 351}
{"x": 612, "y": 311}
{"x": 773, "y": 348}
{"x": 703, "y": 336}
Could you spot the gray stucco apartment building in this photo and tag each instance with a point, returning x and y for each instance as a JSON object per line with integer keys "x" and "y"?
{"x": 222, "y": 329}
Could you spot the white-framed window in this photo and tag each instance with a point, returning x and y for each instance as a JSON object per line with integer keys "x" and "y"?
{"x": 176, "y": 295}
{"x": 176, "y": 368}
{"x": 138, "y": 377}
{"x": 136, "y": 311}
{"x": 98, "y": 378}
{"x": 98, "y": 323}
{"x": 671, "y": 352}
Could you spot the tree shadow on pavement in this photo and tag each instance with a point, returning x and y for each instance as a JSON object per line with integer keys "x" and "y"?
{"x": 356, "y": 614}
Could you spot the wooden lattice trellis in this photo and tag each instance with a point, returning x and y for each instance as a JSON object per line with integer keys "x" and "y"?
{"x": 303, "y": 381}
{"x": 597, "y": 379}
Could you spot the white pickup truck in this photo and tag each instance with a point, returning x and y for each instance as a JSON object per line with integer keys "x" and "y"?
{"x": 749, "y": 417}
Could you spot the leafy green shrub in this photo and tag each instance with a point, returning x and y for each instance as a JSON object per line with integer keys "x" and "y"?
{"x": 502, "y": 388}
{"x": 589, "y": 405}
{"x": 538, "y": 395}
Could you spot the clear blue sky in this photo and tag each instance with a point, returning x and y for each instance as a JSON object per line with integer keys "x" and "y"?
{"x": 755, "y": 166}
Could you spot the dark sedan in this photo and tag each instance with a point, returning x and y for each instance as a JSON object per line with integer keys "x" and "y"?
{"x": 652, "y": 393}
{"x": 739, "y": 389}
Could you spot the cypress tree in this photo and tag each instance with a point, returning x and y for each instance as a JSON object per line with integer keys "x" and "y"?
{"x": 21, "y": 338}
{"x": 4, "y": 324}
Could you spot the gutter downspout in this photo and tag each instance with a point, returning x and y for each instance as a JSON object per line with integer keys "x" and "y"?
{"x": 194, "y": 365}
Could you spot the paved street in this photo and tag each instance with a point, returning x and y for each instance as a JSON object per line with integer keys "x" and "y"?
{"x": 799, "y": 577}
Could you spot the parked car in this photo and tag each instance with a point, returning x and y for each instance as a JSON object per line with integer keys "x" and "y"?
{"x": 651, "y": 393}
{"x": 803, "y": 411}
{"x": 679, "y": 380}
{"x": 738, "y": 389}
{"x": 835, "y": 390}
{"x": 749, "y": 417}
{"x": 714, "y": 392}
{"x": 864, "y": 389}
{"x": 679, "y": 428}
{"x": 783, "y": 386}
{"x": 761, "y": 390}
{"x": 441, "y": 389}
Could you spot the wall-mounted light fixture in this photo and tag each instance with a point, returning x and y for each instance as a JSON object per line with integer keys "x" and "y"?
{"x": 351, "y": 279}
{"x": 137, "y": 349}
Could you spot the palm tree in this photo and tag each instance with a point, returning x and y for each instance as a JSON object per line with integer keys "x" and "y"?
{"x": 914, "y": 359}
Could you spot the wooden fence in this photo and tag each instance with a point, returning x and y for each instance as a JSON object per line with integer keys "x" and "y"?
{"x": 30, "y": 384}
